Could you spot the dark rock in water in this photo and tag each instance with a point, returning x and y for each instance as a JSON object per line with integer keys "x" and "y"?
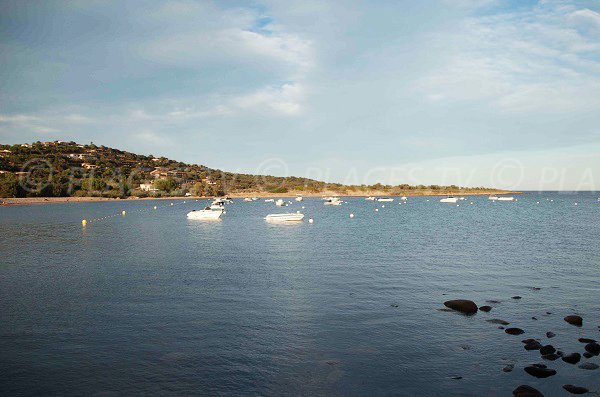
{"x": 550, "y": 334}
{"x": 551, "y": 357}
{"x": 535, "y": 288}
{"x": 540, "y": 372}
{"x": 526, "y": 341}
{"x": 500, "y": 327}
{"x": 586, "y": 340}
{"x": 575, "y": 389}
{"x": 534, "y": 318}
{"x": 526, "y": 391}
{"x": 456, "y": 377}
{"x": 332, "y": 362}
{"x": 572, "y": 358}
{"x": 535, "y": 345}
{"x": 575, "y": 320}
{"x": 492, "y": 301}
{"x": 514, "y": 331}
{"x": 498, "y": 321}
{"x": 548, "y": 313}
{"x": 465, "y": 347}
{"x": 508, "y": 368}
{"x": 548, "y": 349}
{"x": 462, "y": 305}
{"x": 485, "y": 308}
{"x": 395, "y": 305}
{"x": 516, "y": 297}
{"x": 588, "y": 355}
{"x": 588, "y": 365}
{"x": 593, "y": 348}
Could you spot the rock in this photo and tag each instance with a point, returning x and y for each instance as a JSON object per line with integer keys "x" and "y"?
{"x": 456, "y": 377}
{"x": 593, "y": 348}
{"x": 486, "y": 309}
{"x": 397, "y": 305}
{"x": 492, "y": 301}
{"x": 572, "y": 358}
{"x": 548, "y": 349}
{"x": 586, "y": 340}
{"x": 534, "y": 318}
{"x": 526, "y": 341}
{"x": 575, "y": 389}
{"x": 516, "y": 297}
{"x": 500, "y": 327}
{"x": 539, "y": 372}
{"x": 514, "y": 331}
{"x": 550, "y": 334}
{"x": 588, "y": 355}
{"x": 508, "y": 368}
{"x": 560, "y": 353}
{"x": 526, "y": 391}
{"x": 574, "y": 320}
{"x": 462, "y": 305}
{"x": 535, "y": 345}
{"x": 535, "y": 288}
{"x": 548, "y": 313}
{"x": 498, "y": 321}
{"x": 588, "y": 365}
{"x": 551, "y": 357}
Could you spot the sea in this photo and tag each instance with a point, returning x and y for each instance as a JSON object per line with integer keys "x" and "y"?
{"x": 143, "y": 301}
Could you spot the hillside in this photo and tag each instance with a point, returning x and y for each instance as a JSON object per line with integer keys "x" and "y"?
{"x": 68, "y": 169}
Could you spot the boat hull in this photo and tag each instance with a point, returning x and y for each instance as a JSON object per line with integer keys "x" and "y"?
{"x": 204, "y": 215}
{"x": 284, "y": 217}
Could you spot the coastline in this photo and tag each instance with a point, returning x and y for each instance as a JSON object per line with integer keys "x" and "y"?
{"x": 21, "y": 201}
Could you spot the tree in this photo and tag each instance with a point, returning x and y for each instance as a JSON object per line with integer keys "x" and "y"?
{"x": 166, "y": 185}
{"x": 9, "y": 186}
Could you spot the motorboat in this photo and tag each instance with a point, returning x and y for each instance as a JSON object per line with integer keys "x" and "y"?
{"x": 217, "y": 204}
{"x": 370, "y": 198}
{"x": 290, "y": 217}
{"x": 403, "y": 198}
{"x": 269, "y": 200}
{"x": 333, "y": 201}
{"x": 449, "y": 199}
{"x": 505, "y": 198}
{"x": 254, "y": 198}
{"x": 247, "y": 199}
{"x": 205, "y": 214}
{"x": 280, "y": 203}
{"x": 493, "y": 198}
{"x": 299, "y": 199}
{"x": 385, "y": 200}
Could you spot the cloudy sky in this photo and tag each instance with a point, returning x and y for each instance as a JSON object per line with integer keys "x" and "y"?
{"x": 502, "y": 93}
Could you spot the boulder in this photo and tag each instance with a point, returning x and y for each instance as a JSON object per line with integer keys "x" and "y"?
{"x": 527, "y": 391}
{"x": 462, "y": 305}
{"x": 534, "y": 345}
{"x": 550, "y": 334}
{"x": 498, "y": 321}
{"x": 572, "y": 358}
{"x": 539, "y": 372}
{"x": 551, "y": 357}
{"x": 548, "y": 349}
{"x": 486, "y": 308}
{"x": 514, "y": 331}
{"x": 574, "y": 320}
{"x": 575, "y": 389}
{"x": 588, "y": 365}
{"x": 586, "y": 340}
{"x": 593, "y": 348}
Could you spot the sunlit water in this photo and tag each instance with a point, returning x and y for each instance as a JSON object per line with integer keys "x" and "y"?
{"x": 151, "y": 303}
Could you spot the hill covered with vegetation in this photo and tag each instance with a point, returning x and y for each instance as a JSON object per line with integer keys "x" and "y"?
{"x": 64, "y": 169}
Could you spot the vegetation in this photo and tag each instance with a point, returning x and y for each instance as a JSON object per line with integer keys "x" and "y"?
{"x": 61, "y": 169}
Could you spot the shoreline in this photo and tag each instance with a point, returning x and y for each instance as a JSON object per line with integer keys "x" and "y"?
{"x": 21, "y": 201}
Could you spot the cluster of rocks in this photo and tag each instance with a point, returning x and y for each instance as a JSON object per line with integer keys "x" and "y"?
{"x": 547, "y": 351}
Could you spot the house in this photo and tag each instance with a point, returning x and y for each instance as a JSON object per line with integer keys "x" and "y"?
{"x": 159, "y": 173}
{"x": 4, "y": 153}
{"x": 89, "y": 166}
{"x": 148, "y": 187}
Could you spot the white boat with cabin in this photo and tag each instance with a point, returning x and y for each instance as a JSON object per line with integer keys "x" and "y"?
{"x": 449, "y": 199}
{"x": 280, "y": 203}
{"x": 371, "y": 198}
{"x": 506, "y": 198}
{"x": 333, "y": 201}
{"x": 385, "y": 200}
{"x": 205, "y": 214}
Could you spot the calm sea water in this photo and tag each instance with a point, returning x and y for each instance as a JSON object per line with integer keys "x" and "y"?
{"x": 150, "y": 303}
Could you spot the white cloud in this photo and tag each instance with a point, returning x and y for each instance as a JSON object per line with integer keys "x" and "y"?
{"x": 285, "y": 100}
{"x": 525, "y": 61}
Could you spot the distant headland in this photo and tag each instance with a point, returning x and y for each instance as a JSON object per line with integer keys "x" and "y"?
{"x": 61, "y": 171}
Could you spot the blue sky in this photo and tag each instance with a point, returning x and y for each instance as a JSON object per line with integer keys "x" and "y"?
{"x": 492, "y": 93}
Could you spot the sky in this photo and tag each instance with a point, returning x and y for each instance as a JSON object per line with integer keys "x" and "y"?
{"x": 475, "y": 93}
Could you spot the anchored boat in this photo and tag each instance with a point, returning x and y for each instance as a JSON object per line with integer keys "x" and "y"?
{"x": 290, "y": 217}
{"x": 449, "y": 199}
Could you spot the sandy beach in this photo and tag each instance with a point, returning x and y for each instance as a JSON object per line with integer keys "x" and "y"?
{"x": 62, "y": 200}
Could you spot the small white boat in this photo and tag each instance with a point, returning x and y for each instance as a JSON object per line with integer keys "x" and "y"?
{"x": 299, "y": 198}
{"x": 217, "y": 204}
{"x": 371, "y": 198}
{"x": 404, "y": 198}
{"x": 505, "y": 198}
{"x": 493, "y": 198}
{"x": 449, "y": 199}
{"x": 291, "y": 217}
{"x": 269, "y": 200}
{"x": 205, "y": 214}
{"x": 280, "y": 203}
{"x": 247, "y": 199}
{"x": 385, "y": 200}
{"x": 254, "y": 199}
{"x": 333, "y": 201}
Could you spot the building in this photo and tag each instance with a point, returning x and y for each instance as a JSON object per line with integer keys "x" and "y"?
{"x": 89, "y": 166}
{"x": 148, "y": 187}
